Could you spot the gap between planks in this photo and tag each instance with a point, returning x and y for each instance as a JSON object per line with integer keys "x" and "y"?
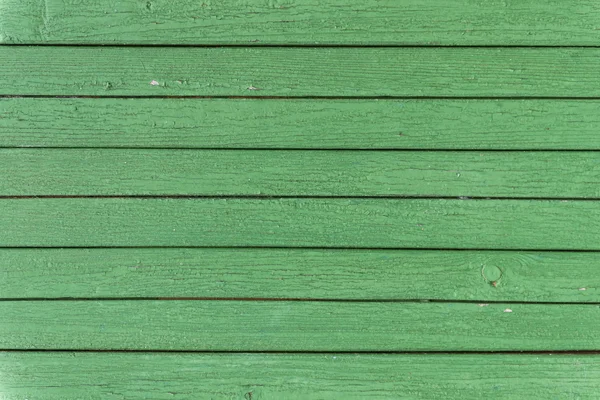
{"x": 481, "y": 303}
{"x": 291, "y": 98}
{"x": 323, "y": 352}
{"x": 303, "y": 46}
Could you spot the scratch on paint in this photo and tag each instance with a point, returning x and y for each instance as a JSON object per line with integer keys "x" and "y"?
{"x": 45, "y": 18}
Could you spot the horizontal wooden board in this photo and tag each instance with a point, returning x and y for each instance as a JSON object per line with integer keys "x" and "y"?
{"x": 36, "y": 172}
{"x": 67, "y": 376}
{"x": 464, "y": 22}
{"x": 380, "y": 223}
{"x": 296, "y": 326}
{"x": 300, "y": 273}
{"x": 300, "y": 123}
{"x": 238, "y": 71}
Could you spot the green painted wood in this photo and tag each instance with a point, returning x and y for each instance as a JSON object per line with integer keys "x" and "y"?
{"x": 66, "y": 376}
{"x": 238, "y": 71}
{"x": 85, "y": 172}
{"x": 300, "y": 123}
{"x": 379, "y": 223}
{"x": 464, "y": 22}
{"x": 300, "y": 273}
{"x": 296, "y": 326}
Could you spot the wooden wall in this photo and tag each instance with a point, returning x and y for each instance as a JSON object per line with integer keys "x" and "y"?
{"x": 299, "y": 199}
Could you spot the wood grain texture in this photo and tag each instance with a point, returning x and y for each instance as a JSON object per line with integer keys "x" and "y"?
{"x": 238, "y": 71}
{"x": 37, "y": 172}
{"x": 296, "y": 326}
{"x": 300, "y": 273}
{"x": 380, "y": 223}
{"x": 300, "y": 123}
{"x": 112, "y": 376}
{"x": 464, "y": 22}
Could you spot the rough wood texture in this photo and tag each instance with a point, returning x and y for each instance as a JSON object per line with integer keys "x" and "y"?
{"x": 472, "y": 224}
{"x": 36, "y": 172}
{"x": 300, "y": 123}
{"x": 464, "y": 22}
{"x": 159, "y": 71}
{"x": 296, "y": 326}
{"x": 65, "y": 376}
{"x": 300, "y": 273}
{"x": 171, "y": 202}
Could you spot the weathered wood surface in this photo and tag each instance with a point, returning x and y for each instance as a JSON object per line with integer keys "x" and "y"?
{"x": 300, "y": 123}
{"x": 241, "y": 242}
{"x": 36, "y": 172}
{"x": 296, "y": 326}
{"x": 389, "y": 22}
{"x": 300, "y": 273}
{"x": 70, "y": 376}
{"x": 379, "y": 223}
{"x": 238, "y": 71}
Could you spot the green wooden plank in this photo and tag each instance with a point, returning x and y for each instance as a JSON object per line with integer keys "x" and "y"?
{"x": 380, "y": 223}
{"x": 464, "y": 22}
{"x": 238, "y": 71}
{"x": 296, "y": 326}
{"x": 36, "y": 172}
{"x": 300, "y": 273}
{"x": 300, "y": 123}
{"x": 65, "y": 376}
